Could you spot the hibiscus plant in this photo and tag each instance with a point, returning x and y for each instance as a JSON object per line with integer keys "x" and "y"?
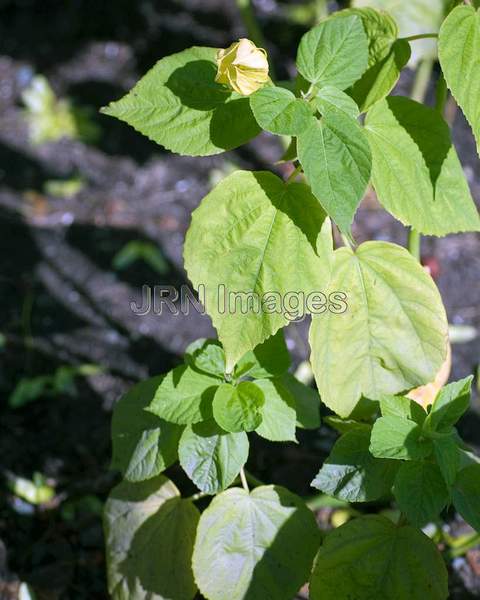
{"x": 279, "y": 250}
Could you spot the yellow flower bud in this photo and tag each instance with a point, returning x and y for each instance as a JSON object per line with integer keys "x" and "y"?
{"x": 243, "y": 67}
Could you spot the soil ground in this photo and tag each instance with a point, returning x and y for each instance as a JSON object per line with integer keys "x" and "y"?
{"x": 63, "y": 303}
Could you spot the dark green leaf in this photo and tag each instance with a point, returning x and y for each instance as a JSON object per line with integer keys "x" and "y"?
{"x": 451, "y": 402}
{"x": 401, "y": 406}
{"x": 179, "y": 105}
{"x": 143, "y": 445}
{"x": 335, "y": 52}
{"x": 399, "y": 438}
{"x": 371, "y": 558}
{"x": 379, "y": 79}
{"x": 307, "y": 402}
{"x": 211, "y": 457}
{"x": 278, "y": 411}
{"x": 420, "y": 491}
{"x": 386, "y": 56}
{"x": 447, "y": 456}
{"x": 206, "y": 356}
{"x": 330, "y": 99}
{"x": 336, "y": 159}
{"x": 269, "y": 359}
{"x": 278, "y": 111}
{"x": 238, "y": 408}
{"x": 466, "y": 494}
{"x": 351, "y": 473}
{"x": 184, "y": 396}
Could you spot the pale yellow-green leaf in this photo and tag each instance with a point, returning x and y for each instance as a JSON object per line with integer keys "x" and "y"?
{"x": 149, "y": 535}
{"x": 415, "y": 169}
{"x": 413, "y": 17}
{"x": 459, "y": 53}
{"x": 393, "y": 335}
{"x": 254, "y": 238}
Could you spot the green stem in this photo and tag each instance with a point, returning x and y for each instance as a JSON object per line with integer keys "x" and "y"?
{"x": 243, "y": 479}
{"x": 420, "y": 36}
{"x": 253, "y": 29}
{"x": 414, "y": 243}
{"x": 293, "y": 175}
{"x": 422, "y": 79}
{"x": 197, "y": 496}
{"x": 346, "y": 241}
{"x": 248, "y": 17}
{"x": 465, "y": 545}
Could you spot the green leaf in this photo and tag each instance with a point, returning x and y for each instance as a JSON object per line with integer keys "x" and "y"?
{"x": 278, "y": 111}
{"x": 399, "y": 438}
{"x": 459, "y": 49}
{"x": 351, "y": 473}
{"x": 149, "y": 532}
{"x": 420, "y": 492}
{"x": 401, "y": 406}
{"x": 416, "y": 172}
{"x": 179, "y": 105}
{"x": 269, "y": 359}
{"x": 343, "y": 425}
{"x": 451, "y": 403}
{"x": 248, "y": 225}
{"x": 206, "y": 356}
{"x": 28, "y": 390}
{"x": 414, "y": 17}
{"x": 447, "y": 455}
{"x": 278, "y": 413}
{"x": 256, "y": 546}
{"x": 184, "y": 396}
{"x": 331, "y": 99}
{"x": 336, "y": 159}
{"x": 238, "y": 408}
{"x": 466, "y": 493}
{"x": 370, "y": 557}
{"x": 143, "y": 445}
{"x": 386, "y": 57}
{"x": 211, "y": 457}
{"x": 355, "y": 353}
{"x": 335, "y": 52}
{"x": 307, "y": 402}
{"x": 137, "y": 250}
{"x": 381, "y": 78}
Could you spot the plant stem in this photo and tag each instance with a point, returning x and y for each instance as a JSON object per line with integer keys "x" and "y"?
{"x": 197, "y": 496}
{"x": 253, "y": 29}
{"x": 248, "y": 17}
{"x": 422, "y": 79}
{"x": 414, "y": 243}
{"x": 293, "y": 175}
{"x": 346, "y": 240}
{"x": 243, "y": 479}
{"x": 465, "y": 545}
{"x": 420, "y": 36}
